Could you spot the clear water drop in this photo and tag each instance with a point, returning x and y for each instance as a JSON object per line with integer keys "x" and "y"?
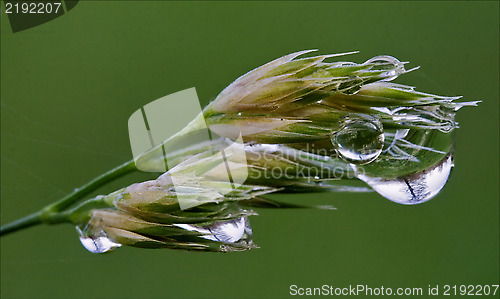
{"x": 413, "y": 189}
{"x": 392, "y": 66}
{"x": 359, "y": 139}
{"x": 230, "y": 231}
{"x": 97, "y": 243}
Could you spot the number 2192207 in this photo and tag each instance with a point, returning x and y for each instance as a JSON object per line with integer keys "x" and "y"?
{"x": 32, "y": 8}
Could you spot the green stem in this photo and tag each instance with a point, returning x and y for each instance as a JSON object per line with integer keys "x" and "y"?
{"x": 52, "y": 213}
{"x": 22, "y": 223}
{"x": 97, "y": 182}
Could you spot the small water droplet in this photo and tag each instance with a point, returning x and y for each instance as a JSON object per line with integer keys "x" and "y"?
{"x": 263, "y": 148}
{"x": 230, "y": 231}
{"x": 97, "y": 243}
{"x": 392, "y": 66}
{"x": 413, "y": 189}
{"x": 359, "y": 139}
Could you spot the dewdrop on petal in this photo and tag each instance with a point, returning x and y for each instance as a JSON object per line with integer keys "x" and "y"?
{"x": 359, "y": 139}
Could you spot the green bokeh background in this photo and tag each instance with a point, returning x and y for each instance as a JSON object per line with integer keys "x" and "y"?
{"x": 69, "y": 86}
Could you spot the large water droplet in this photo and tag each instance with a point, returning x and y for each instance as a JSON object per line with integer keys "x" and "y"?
{"x": 359, "y": 139}
{"x": 413, "y": 189}
{"x": 97, "y": 243}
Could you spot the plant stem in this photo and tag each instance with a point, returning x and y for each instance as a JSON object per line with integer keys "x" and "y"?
{"x": 22, "y": 223}
{"x": 97, "y": 182}
{"x": 52, "y": 213}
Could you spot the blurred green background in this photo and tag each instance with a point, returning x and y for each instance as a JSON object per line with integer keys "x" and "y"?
{"x": 69, "y": 86}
